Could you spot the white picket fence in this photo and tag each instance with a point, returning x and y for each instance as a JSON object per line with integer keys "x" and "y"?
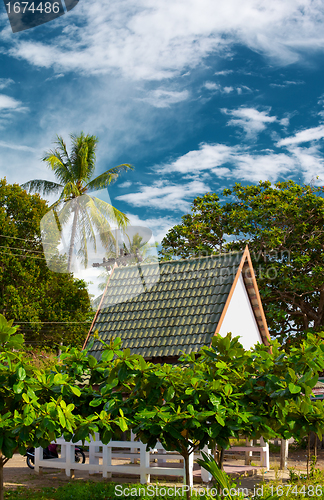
{"x": 262, "y": 448}
{"x": 142, "y": 463}
{"x": 100, "y": 461}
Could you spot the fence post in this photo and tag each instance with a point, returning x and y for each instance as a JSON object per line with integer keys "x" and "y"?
{"x": 264, "y": 459}
{"x": 144, "y": 464}
{"x": 92, "y": 458}
{"x": 133, "y": 450}
{"x": 69, "y": 460}
{"x": 248, "y": 454}
{"x": 38, "y": 457}
{"x": 106, "y": 460}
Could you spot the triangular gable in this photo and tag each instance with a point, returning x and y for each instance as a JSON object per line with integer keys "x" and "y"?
{"x": 244, "y": 290}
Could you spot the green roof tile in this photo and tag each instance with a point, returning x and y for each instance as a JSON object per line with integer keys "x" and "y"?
{"x": 178, "y": 312}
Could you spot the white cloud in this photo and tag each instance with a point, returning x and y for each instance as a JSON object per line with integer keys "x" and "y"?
{"x": 226, "y": 90}
{"x": 125, "y": 184}
{"x": 310, "y": 162}
{"x": 254, "y": 167}
{"x": 245, "y": 164}
{"x": 5, "y": 82}
{"x": 218, "y": 88}
{"x": 310, "y": 134}
{"x": 286, "y": 83}
{"x": 55, "y": 77}
{"x": 224, "y": 72}
{"x": 9, "y": 106}
{"x": 158, "y": 225}
{"x": 16, "y": 147}
{"x": 143, "y": 39}
{"x": 7, "y": 102}
{"x": 212, "y": 86}
{"x": 284, "y": 121}
{"x": 161, "y": 98}
{"x": 250, "y": 119}
{"x": 162, "y": 194}
{"x": 207, "y": 157}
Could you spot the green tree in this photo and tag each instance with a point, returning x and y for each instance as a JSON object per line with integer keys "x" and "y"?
{"x": 49, "y": 306}
{"x": 75, "y": 172}
{"x": 32, "y": 413}
{"x": 201, "y": 232}
{"x": 284, "y": 228}
{"x": 185, "y": 409}
{"x": 225, "y": 391}
{"x": 38, "y": 406}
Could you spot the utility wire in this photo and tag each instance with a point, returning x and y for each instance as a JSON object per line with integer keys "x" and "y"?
{"x": 24, "y": 239}
{"x": 23, "y": 256}
{"x": 52, "y": 322}
{"x": 26, "y": 249}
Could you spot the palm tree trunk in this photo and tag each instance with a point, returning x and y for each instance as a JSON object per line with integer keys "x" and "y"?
{"x": 74, "y": 226}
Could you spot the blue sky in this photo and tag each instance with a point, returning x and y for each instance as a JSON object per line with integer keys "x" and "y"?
{"x": 196, "y": 94}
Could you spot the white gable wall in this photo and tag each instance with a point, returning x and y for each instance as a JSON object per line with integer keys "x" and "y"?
{"x": 239, "y": 318}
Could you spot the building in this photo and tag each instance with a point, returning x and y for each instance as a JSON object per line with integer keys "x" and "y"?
{"x": 161, "y": 310}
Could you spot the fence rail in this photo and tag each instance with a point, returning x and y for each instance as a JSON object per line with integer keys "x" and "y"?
{"x": 158, "y": 461}
{"x": 100, "y": 461}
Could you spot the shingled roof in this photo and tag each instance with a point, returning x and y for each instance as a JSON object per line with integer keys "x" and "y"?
{"x": 178, "y": 310}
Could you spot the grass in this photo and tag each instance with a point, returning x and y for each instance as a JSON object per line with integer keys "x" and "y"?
{"x": 102, "y": 491}
{"x": 83, "y": 491}
{"x": 298, "y": 487}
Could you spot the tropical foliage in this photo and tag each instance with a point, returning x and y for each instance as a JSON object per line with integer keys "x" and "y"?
{"x": 50, "y": 307}
{"x": 89, "y": 216}
{"x": 211, "y": 396}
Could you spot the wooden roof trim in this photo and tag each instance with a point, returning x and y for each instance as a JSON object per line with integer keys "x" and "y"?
{"x": 227, "y": 303}
{"x": 98, "y": 310}
{"x": 257, "y": 307}
{"x": 255, "y": 299}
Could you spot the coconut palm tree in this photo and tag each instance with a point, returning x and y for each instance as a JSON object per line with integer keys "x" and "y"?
{"x": 74, "y": 173}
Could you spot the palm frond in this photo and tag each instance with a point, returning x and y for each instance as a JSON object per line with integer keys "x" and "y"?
{"x": 42, "y": 186}
{"x": 63, "y": 150}
{"x": 70, "y": 190}
{"x": 63, "y": 210}
{"x": 83, "y": 250}
{"x": 100, "y": 214}
{"x": 59, "y": 161}
{"x": 108, "y": 177}
{"x": 111, "y": 212}
{"x": 86, "y": 223}
{"x": 83, "y": 156}
{"x": 222, "y": 479}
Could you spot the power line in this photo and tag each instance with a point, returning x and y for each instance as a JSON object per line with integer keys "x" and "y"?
{"x": 23, "y": 256}
{"x": 26, "y": 249}
{"x": 52, "y": 322}
{"x": 24, "y": 239}
{"x": 42, "y": 309}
